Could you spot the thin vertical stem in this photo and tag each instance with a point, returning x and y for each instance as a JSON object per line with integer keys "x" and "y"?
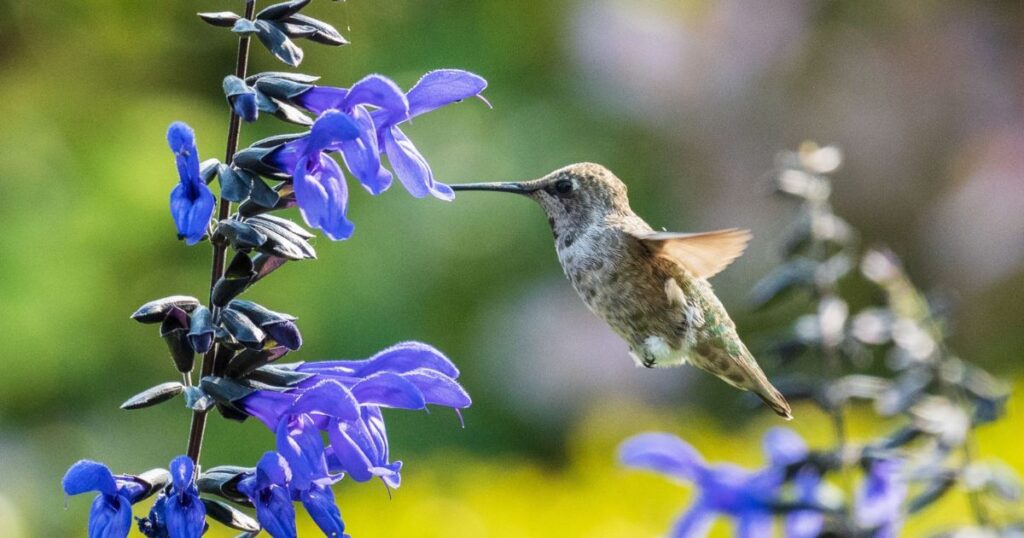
{"x": 198, "y": 425}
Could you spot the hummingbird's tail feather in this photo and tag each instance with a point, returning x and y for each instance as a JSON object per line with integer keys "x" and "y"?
{"x": 738, "y": 368}
{"x": 757, "y": 382}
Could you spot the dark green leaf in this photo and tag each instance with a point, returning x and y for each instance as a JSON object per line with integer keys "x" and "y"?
{"x": 228, "y": 288}
{"x": 230, "y": 516}
{"x": 325, "y": 34}
{"x": 286, "y": 224}
{"x": 286, "y": 199}
{"x": 224, "y": 390}
{"x": 155, "y": 479}
{"x": 235, "y": 86}
{"x": 208, "y": 169}
{"x": 281, "y": 88}
{"x": 223, "y": 481}
{"x": 282, "y": 10}
{"x": 222, "y": 358}
{"x": 281, "y": 241}
{"x": 240, "y": 235}
{"x": 251, "y": 359}
{"x": 284, "y": 111}
{"x": 294, "y": 77}
{"x": 174, "y": 331}
{"x": 265, "y": 264}
{"x": 252, "y": 159}
{"x": 275, "y": 141}
{"x": 278, "y": 377}
{"x": 224, "y": 19}
{"x": 238, "y": 276}
{"x": 235, "y": 184}
{"x": 296, "y": 31}
{"x": 243, "y": 329}
{"x": 259, "y": 314}
{"x": 156, "y": 311}
{"x": 231, "y": 413}
{"x": 180, "y": 349}
{"x": 262, "y": 195}
{"x": 154, "y": 395}
{"x": 197, "y": 400}
{"x": 278, "y": 43}
{"x": 244, "y": 27}
{"x": 265, "y": 104}
{"x": 200, "y": 335}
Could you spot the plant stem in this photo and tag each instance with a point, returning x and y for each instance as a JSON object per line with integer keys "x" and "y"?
{"x": 198, "y": 425}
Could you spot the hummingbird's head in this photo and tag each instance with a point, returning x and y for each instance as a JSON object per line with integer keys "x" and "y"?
{"x": 574, "y": 197}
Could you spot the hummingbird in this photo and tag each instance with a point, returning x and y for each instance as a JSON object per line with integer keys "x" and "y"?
{"x": 651, "y": 287}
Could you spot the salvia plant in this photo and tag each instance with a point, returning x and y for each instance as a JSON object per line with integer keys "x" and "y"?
{"x": 326, "y": 415}
{"x": 893, "y": 355}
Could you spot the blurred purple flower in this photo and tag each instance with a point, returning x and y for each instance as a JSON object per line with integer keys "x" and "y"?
{"x": 784, "y": 447}
{"x": 727, "y": 489}
{"x": 723, "y": 489}
{"x": 111, "y": 512}
{"x": 191, "y": 200}
{"x": 879, "y": 502}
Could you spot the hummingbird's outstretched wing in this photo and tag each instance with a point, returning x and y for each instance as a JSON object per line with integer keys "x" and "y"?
{"x": 703, "y": 255}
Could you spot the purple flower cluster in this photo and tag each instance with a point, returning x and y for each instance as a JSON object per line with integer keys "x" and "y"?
{"x": 177, "y": 513}
{"x": 344, "y": 400}
{"x": 754, "y": 497}
{"x": 362, "y": 123}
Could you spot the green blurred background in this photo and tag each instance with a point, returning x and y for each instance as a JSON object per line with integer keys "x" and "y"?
{"x": 688, "y": 101}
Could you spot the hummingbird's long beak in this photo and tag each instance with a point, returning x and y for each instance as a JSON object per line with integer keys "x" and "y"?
{"x": 517, "y": 188}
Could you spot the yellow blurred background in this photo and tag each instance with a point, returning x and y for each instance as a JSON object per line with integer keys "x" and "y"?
{"x": 688, "y": 101}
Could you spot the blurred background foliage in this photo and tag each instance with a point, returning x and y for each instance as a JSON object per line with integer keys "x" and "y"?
{"x": 688, "y": 101}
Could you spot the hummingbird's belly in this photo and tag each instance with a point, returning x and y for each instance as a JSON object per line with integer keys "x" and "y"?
{"x": 641, "y": 303}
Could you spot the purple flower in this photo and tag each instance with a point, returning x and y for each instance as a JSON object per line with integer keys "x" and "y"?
{"x": 879, "y": 500}
{"x": 245, "y": 106}
{"x": 727, "y": 489}
{"x": 297, "y": 473}
{"x": 178, "y": 512}
{"x": 184, "y": 513}
{"x": 434, "y": 90}
{"x": 724, "y": 489}
{"x": 111, "y": 512}
{"x": 299, "y": 442}
{"x": 267, "y": 488}
{"x": 783, "y": 448}
{"x": 362, "y": 154}
{"x": 344, "y": 399}
{"x": 191, "y": 200}
{"x": 319, "y": 184}
{"x": 379, "y": 131}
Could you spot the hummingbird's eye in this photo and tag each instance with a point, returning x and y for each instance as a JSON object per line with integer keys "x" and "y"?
{"x": 563, "y": 186}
